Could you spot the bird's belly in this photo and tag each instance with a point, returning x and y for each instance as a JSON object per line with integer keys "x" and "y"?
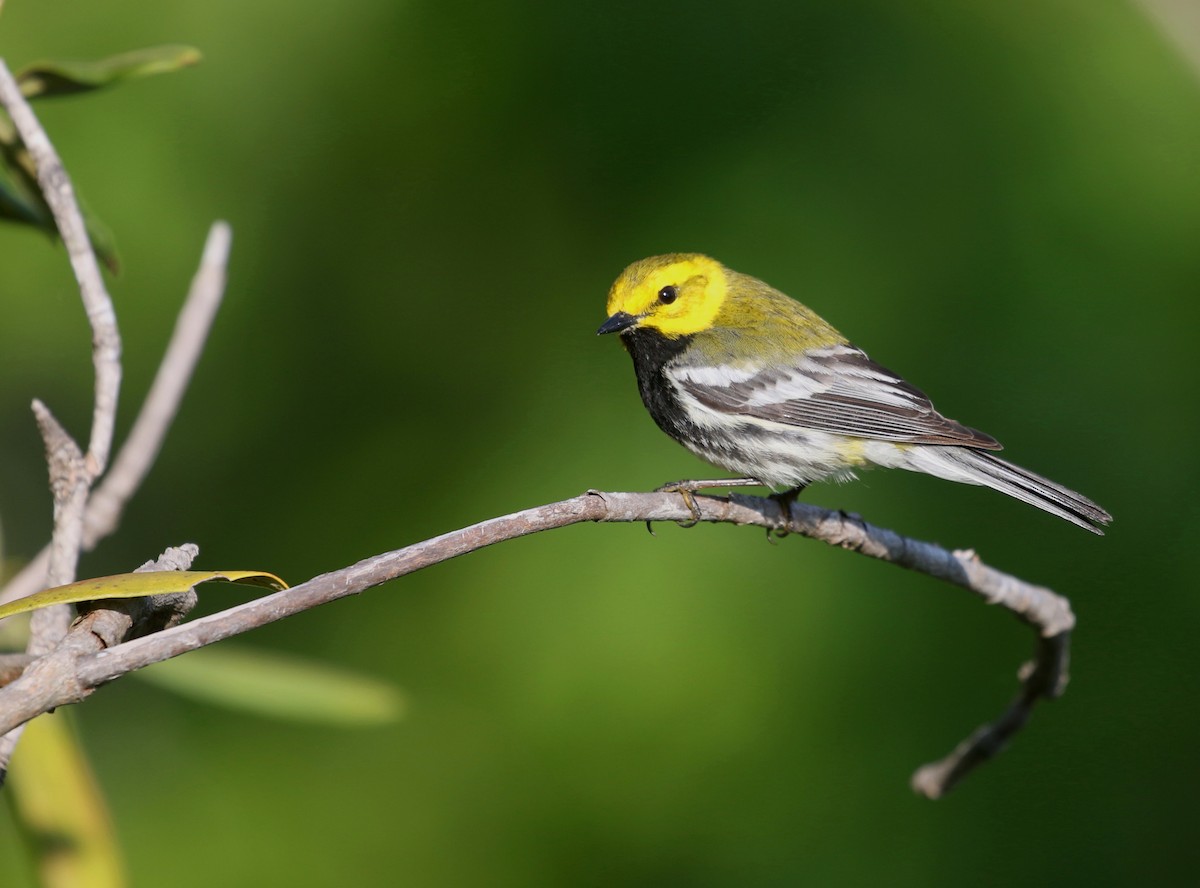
{"x": 778, "y": 454}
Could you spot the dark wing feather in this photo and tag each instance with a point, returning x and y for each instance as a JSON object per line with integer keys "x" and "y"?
{"x": 839, "y": 390}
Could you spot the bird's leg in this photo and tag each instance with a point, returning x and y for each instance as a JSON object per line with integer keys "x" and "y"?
{"x": 686, "y": 489}
{"x": 785, "y": 500}
{"x": 787, "y": 497}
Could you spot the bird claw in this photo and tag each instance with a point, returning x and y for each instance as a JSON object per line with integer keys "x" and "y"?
{"x": 687, "y": 490}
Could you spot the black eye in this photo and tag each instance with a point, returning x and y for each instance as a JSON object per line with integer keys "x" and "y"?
{"x": 667, "y": 295}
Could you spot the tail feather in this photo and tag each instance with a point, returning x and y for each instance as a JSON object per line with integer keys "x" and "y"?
{"x": 1032, "y": 488}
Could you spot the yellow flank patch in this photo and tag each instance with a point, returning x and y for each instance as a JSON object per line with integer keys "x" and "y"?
{"x": 698, "y": 287}
{"x": 853, "y": 451}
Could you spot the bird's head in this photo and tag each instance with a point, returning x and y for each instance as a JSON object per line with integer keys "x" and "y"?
{"x": 676, "y": 295}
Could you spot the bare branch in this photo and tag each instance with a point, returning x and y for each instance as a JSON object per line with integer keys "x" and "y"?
{"x": 170, "y": 382}
{"x": 12, "y": 665}
{"x": 137, "y": 454}
{"x": 56, "y": 187}
{"x": 69, "y": 483}
{"x": 1047, "y": 613}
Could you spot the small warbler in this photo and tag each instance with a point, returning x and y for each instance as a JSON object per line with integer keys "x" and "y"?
{"x": 752, "y": 381}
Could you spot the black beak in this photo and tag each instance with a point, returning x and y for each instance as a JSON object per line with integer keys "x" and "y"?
{"x": 622, "y": 320}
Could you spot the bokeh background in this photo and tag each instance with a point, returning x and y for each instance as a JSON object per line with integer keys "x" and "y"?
{"x": 1000, "y": 200}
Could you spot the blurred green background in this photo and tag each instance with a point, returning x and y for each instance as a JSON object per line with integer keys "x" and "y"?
{"x": 1000, "y": 200}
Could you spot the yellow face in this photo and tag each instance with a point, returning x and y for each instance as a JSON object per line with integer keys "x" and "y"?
{"x": 676, "y": 295}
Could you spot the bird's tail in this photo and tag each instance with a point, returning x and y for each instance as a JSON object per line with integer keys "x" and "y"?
{"x": 993, "y": 472}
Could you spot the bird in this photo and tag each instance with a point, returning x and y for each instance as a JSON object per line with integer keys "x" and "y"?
{"x": 756, "y": 383}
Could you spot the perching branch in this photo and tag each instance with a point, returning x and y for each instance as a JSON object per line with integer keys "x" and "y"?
{"x": 64, "y": 665}
{"x": 1047, "y": 613}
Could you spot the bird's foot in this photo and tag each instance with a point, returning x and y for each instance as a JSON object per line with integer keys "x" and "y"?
{"x": 688, "y": 488}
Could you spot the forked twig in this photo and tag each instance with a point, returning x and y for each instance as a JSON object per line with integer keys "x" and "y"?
{"x": 71, "y": 472}
{"x": 81, "y": 519}
{"x": 137, "y": 454}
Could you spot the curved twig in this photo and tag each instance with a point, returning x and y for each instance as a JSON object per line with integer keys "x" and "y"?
{"x": 158, "y": 411}
{"x": 1047, "y": 613}
{"x": 56, "y": 187}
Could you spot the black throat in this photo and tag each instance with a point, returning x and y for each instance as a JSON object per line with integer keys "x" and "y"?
{"x": 652, "y": 352}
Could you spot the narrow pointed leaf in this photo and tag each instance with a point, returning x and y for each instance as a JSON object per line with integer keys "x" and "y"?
{"x": 279, "y": 686}
{"x": 60, "y": 78}
{"x": 136, "y": 585}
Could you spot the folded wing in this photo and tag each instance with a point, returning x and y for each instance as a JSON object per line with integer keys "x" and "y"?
{"x": 836, "y": 389}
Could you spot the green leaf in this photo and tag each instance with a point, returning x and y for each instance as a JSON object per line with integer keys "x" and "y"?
{"x": 136, "y": 585}
{"x": 21, "y": 199}
{"x": 60, "y": 78}
{"x": 280, "y": 686}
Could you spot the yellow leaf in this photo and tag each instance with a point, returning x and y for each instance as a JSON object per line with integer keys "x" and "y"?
{"x": 62, "y": 809}
{"x": 136, "y": 585}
